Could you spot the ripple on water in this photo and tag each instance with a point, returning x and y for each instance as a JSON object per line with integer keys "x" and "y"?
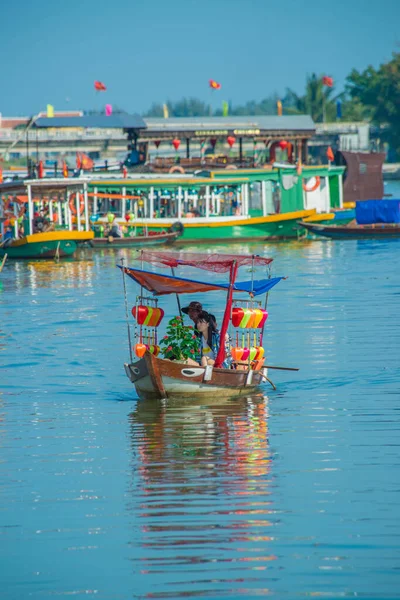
{"x": 291, "y": 495}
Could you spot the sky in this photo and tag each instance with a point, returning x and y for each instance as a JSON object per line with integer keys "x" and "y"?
{"x": 154, "y": 50}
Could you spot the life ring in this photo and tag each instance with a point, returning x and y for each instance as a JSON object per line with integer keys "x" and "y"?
{"x": 177, "y": 227}
{"x": 176, "y": 169}
{"x": 72, "y": 203}
{"x": 314, "y": 186}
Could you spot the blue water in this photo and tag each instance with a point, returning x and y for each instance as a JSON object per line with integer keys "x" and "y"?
{"x": 290, "y": 495}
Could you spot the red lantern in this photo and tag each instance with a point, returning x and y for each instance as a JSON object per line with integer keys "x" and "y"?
{"x": 40, "y": 169}
{"x": 213, "y": 142}
{"x": 124, "y": 172}
{"x": 142, "y": 312}
{"x": 237, "y": 316}
{"x": 176, "y": 143}
{"x": 231, "y": 140}
{"x": 283, "y": 144}
{"x": 157, "y": 143}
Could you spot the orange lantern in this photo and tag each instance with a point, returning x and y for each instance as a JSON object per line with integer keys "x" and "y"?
{"x": 140, "y": 350}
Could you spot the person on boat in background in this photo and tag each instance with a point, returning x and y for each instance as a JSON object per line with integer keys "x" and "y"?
{"x": 209, "y": 341}
{"x": 8, "y": 237}
{"x": 115, "y": 230}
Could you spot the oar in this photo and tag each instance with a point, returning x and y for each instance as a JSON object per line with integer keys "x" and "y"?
{"x": 281, "y": 368}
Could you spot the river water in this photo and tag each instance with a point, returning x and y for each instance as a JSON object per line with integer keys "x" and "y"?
{"x": 291, "y": 494}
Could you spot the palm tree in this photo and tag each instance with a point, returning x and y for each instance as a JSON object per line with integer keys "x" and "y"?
{"x": 317, "y": 100}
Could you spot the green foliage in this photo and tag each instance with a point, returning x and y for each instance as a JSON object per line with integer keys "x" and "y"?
{"x": 187, "y": 107}
{"x": 180, "y": 342}
{"x": 378, "y": 90}
{"x": 317, "y": 99}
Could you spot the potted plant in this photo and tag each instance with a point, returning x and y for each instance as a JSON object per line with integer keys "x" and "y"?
{"x": 180, "y": 341}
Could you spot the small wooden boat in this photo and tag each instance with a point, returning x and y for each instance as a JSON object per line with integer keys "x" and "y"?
{"x": 156, "y": 378}
{"x": 374, "y": 219}
{"x": 154, "y": 239}
{"x": 354, "y": 231}
{"x": 46, "y": 245}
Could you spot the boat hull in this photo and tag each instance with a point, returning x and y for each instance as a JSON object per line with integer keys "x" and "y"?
{"x": 49, "y": 249}
{"x": 274, "y": 227}
{"x": 129, "y": 242}
{"x": 46, "y": 245}
{"x": 354, "y": 232}
{"x": 156, "y": 378}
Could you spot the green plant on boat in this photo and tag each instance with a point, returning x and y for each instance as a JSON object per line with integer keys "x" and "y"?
{"x": 180, "y": 341}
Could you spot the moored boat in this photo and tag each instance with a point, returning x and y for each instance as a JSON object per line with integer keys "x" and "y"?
{"x": 353, "y": 231}
{"x": 154, "y": 239}
{"x": 373, "y": 219}
{"x": 155, "y": 377}
{"x": 46, "y": 245}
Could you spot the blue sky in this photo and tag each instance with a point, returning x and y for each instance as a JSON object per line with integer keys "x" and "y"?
{"x": 154, "y": 51}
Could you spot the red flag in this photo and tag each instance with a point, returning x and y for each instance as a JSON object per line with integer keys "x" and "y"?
{"x": 65, "y": 169}
{"x": 330, "y": 155}
{"x": 40, "y": 170}
{"x": 99, "y": 86}
{"x": 83, "y": 161}
{"x": 328, "y": 81}
{"x": 214, "y": 84}
{"x": 1, "y": 175}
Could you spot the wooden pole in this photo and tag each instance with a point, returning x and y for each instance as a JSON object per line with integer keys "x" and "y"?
{"x": 3, "y": 262}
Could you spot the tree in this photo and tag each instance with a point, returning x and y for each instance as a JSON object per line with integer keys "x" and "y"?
{"x": 316, "y": 100}
{"x": 378, "y": 90}
{"x": 187, "y": 107}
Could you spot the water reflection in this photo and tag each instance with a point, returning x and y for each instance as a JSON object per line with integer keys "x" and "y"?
{"x": 201, "y": 485}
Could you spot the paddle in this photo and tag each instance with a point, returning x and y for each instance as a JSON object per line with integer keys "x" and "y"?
{"x": 281, "y": 368}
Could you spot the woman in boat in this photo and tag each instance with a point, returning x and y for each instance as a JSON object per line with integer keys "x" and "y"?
{"x": 209, "y": 340}
{"x": 193, "y": 311}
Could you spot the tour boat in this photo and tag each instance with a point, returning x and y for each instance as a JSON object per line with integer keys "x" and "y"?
{"x": 155, "y": 377}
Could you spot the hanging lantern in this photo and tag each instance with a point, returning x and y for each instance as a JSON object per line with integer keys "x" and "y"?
{"x": 176, "y": 143}
{"x": 253, "y": 353}
{"x": 147, "y": 315}
{"x": 140, "y": 350}
{"x": 157, "y": 143}
{"x": 260, "y": 353}
{"x": 248, "y": 318}
{"x": 246, "y": 353}
{"x": 213, "y": 142}
{"x": 231, "y": 140}
{"x": 283, "y": 144}
{"x": 237, "y": 353}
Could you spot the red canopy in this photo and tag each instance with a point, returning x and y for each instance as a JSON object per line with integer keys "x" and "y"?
{"x": 219, "y": 263}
